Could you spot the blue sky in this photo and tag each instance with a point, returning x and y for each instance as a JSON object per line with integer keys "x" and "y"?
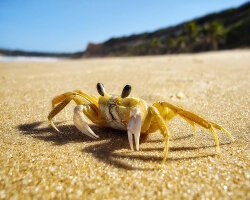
{"x": 68, "y": 25}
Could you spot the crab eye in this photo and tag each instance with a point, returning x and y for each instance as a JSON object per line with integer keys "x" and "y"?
{"x": 100, "y": 89}
{"x": 126, "y": 91}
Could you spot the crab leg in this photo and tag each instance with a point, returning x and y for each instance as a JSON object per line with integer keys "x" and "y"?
{"x": 155, "y": 121}
{"x": 62, "y": 101}
{"x": 79, "y": 97}
{"x": 163, "y": 128}
{"x": 195, "y": 119}
{"x": 134, "y": 128}
{"x": 192, "y": 124}
{"x": 81, "y": 123}
{"x": 60, "y": 98}
{"x": 56, "y": 110}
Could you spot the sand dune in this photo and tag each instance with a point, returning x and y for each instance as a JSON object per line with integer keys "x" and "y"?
{"x": 37, "y": 162}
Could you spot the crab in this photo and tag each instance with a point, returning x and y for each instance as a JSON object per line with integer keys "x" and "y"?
{"x": 127, "y": 113}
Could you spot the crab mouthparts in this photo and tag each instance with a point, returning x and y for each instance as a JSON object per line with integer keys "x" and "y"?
{"x": 133, "y": 128}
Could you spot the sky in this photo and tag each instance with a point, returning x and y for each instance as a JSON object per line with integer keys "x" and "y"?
{"x": 69, "y": 25}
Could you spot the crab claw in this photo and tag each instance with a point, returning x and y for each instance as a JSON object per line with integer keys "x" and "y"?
{"x": 81, "y": 123}
{"x": 134, "y": 128}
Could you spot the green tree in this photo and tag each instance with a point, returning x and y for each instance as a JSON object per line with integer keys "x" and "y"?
{"x": 215, "y": 34}
{"x": 193, "y": 35}
{"x": 155, "y": 46}
{"x": 191, "y": 29}
{"x": 182, "y": 44}
{"x": 171, "y": 44}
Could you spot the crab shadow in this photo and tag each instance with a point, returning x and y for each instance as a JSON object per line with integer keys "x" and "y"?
{"x": 104, "y": 148}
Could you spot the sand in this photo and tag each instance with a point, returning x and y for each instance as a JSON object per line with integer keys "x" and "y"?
{"x": 36, "y": 162}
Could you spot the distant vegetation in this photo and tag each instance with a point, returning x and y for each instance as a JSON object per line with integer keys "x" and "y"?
{"x": 224, "y": 30}
{"x": 7, "y": 52}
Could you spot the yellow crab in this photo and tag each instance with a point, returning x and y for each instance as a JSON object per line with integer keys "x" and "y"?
{"x": 127, "y": 113}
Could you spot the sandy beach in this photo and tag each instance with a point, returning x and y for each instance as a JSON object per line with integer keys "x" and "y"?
{"x": 37, "y": 162}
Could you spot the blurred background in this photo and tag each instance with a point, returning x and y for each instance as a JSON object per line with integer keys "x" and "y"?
{"x": 76, "y": 29}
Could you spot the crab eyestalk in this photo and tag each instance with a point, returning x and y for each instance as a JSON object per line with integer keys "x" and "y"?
{"x": 126, "y": 91}
{"x": 100, "y": 89}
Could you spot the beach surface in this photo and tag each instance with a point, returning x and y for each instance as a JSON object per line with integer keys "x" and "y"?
{"x": 36, "y": 162}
